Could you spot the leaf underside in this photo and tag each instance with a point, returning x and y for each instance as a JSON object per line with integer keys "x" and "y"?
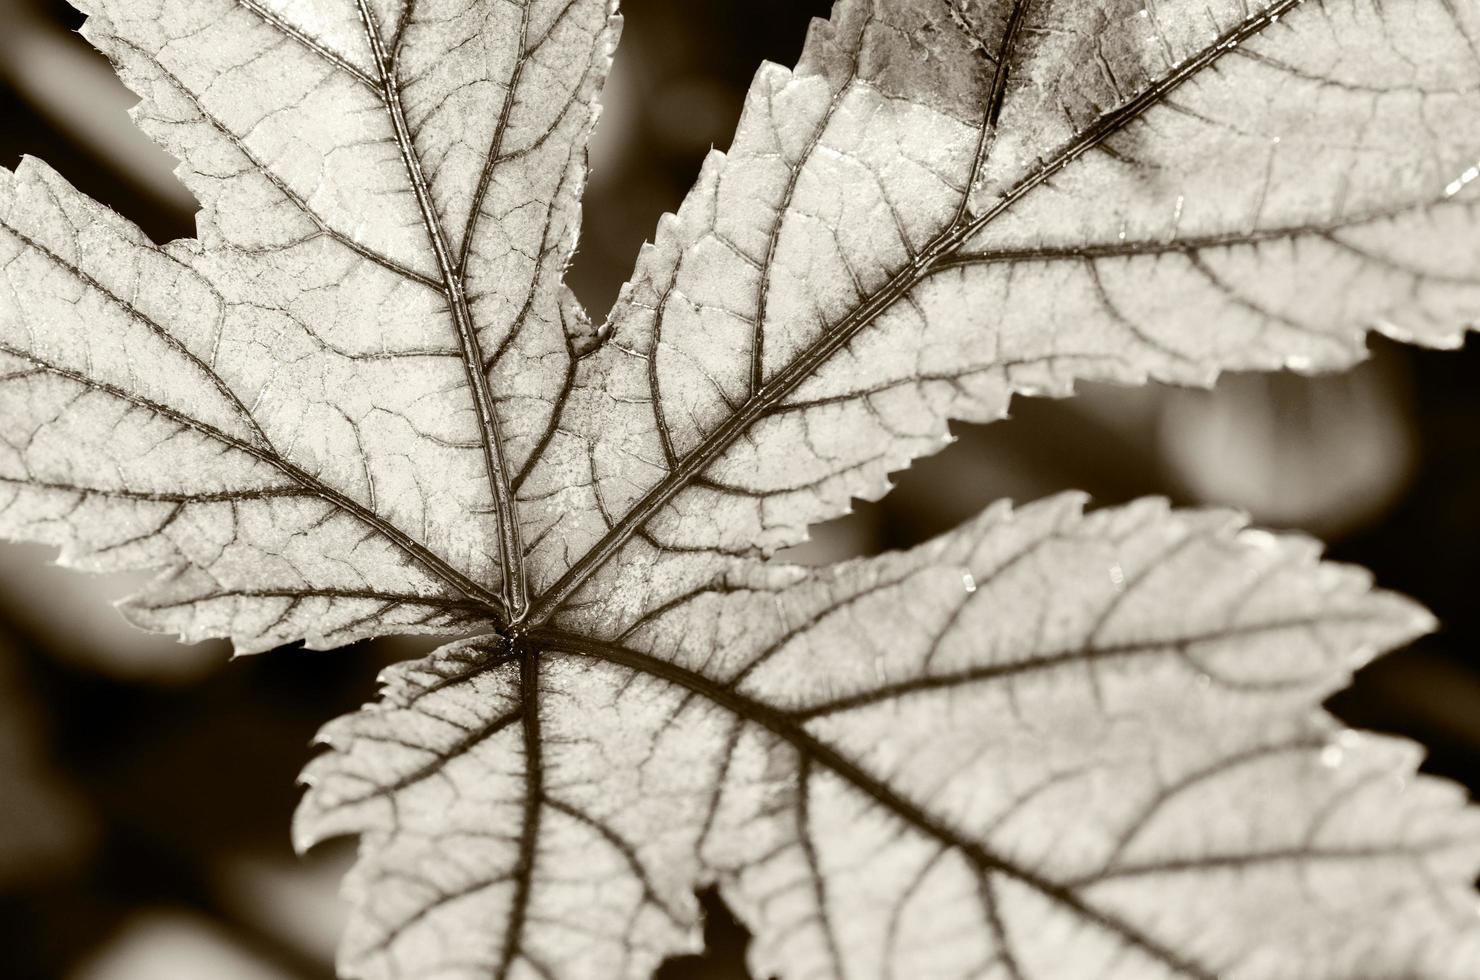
{"x": 1048, "y": 744}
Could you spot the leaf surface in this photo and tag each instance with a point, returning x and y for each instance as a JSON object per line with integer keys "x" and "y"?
{"x": 1046, "y": 745}
{"x": 947, "y": 203}
{"x": 307, "y": 413}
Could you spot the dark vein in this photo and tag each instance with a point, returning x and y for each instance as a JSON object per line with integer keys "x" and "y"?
{"x": 1135, "y": 248}
{"x": 311, "y": 44}
{"x": 1396, "y": 265}
{"x": 1117, "y": 315}
{"x": 813, "y": 621}
{"x": 805, "y": 365}
{"x": 413, "y": 548}
{"x": 721, "y": 777}
{"x": 911, "y": 814}
{"x": 1221, "y": 767}
{"x": 655, "y": 381}
{"x": 511, "y": 551}
{"x": 1295, "y": 71}
{"x": 995, "y": 99}
{"x": 1088, "y": 654}
{"x": 814, "y": 867}
{"x": 557, "y": 407}
{"x": 470, "y": 740}
{"x": 390, "y": 599}
{"x": 1300, "y": 854}
{"x": 467, "y": 664}
{"x": 443, "y": 899}
{"x": 153, "y": 326}
{"x": 991, "y": 910}
{"x": 495, "y": 147}
{"x": 282, "y": 187}
{"x": 626, "y": 850}
{"x": 901, "y": 906}
{"x": 783, "y": 211}
{"x": 534, "y": 802}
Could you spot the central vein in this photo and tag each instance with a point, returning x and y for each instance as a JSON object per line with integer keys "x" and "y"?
{"x": 511, "y": 551}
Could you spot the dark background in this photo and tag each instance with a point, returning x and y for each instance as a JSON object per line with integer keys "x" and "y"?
{"x": 146, "y": 787}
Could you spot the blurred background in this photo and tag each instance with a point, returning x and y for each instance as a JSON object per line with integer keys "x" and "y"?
{"x": 146, "y": 787}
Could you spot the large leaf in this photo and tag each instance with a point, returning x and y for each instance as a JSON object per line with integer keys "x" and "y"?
{"x": 1048, "y": 745}
{"x": 947, "y": 203}
{"x": 296, "y": 412}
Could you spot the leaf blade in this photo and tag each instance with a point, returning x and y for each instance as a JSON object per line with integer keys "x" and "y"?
{"x": 120, "y": 467}
{"x": 892, "y": 330}
{"x": 790, "y": 761}
{"x": 957, "y": 203}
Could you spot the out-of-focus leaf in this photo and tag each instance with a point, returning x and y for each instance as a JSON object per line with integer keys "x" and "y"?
{"x": 171, "y": 944}
{"x": 69, "y": 84}
{"x": 43, "y": 828}
{"x": 1329, "y": 454}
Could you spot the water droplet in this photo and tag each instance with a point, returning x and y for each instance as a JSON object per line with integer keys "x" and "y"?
{"x": 1275, "y": 140}
{"x": 1332, "y": 755}
{"x": 1117, "y": 577}
{"x": 1458, "y": 183}
{"x": 1204, "y": 681}
{"x": 1145, "y": 12}
{"x": 968, "y": 582}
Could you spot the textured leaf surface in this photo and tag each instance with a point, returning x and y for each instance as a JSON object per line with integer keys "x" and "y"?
{"x": 947, "y": 203}
{"x": 297, "y": 412}
{"x": 1047, "y": 745}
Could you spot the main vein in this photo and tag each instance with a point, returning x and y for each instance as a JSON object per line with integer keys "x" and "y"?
{"x": 310, "y": 484}
{"x": 938, "y": 252}
{"x": 811, "y": 750}
{"x": 309, "y": 43}
{"x": 511, "y": 550}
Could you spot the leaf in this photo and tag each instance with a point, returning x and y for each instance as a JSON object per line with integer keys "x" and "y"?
{"x": 293, "y": 412}
{"x": 1048, "y": 744}
{"x": 1044, "y": 745}
{"x": 1157, "y": 196}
